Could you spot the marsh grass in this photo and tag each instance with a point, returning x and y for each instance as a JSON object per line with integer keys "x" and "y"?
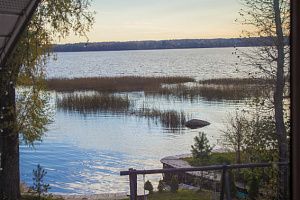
{"x": 236, "y": 81}
{"x": 114, "y": 104}
{"x": 169, "y": 118}
{"x": 211, "y": 90}
{"x": 217, "y": 89}
{"x": 113, "y": 84}
{"x": 93, "y": 103}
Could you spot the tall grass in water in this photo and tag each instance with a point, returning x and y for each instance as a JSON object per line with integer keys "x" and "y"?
{"x": 113, "y": 84}
{"x": 217, "y": 89}
{"x": 93, "y": 103}
{"x": 110, "y": 103}
{"x": 169, "y": 118}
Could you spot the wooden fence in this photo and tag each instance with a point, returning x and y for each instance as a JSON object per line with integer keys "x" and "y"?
{"x": 224, "y": 185}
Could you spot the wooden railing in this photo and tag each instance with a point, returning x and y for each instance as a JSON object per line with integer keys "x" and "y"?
{"x": 224, "y": 185}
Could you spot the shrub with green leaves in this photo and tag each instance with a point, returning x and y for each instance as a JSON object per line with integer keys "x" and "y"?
{"x": 160, "y": 186}
{"x": 254, "y": 187}
{"x": 148, "y": 186}
{"x": 174, "y": 184}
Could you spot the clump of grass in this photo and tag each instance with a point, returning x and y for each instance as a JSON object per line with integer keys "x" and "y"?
{"x": 173, "y": 119}
{"x": 114, "y": 84}
{"x": 93, "y": 103}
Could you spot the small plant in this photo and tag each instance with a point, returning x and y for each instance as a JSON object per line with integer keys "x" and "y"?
{"x": 148, "y": 186}
{"x": 174, "y": 184}
{"x": 160, "y": 186}
{"x": 254, "y": 187}
{"x": 201, "y": 150}
{"x": 39, "y": 187}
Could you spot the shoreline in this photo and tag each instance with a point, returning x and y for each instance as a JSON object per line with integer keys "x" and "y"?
{"x": 25, "y": 190}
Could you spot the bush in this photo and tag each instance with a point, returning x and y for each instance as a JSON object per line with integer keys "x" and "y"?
{"x": 174, "y": 184}
{"x": 254, "y": 187}
{"x": 232, "y": 186}
{"x": 160, "y": 186}
{"x": 148, "y": 186}
{"x": 221, "y": 159}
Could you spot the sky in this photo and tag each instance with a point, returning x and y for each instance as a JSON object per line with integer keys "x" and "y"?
{"x": 137, "y": 20}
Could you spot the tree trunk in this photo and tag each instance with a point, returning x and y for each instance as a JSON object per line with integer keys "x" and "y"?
{"x": 9, "y": 142}
{"x": 278, "y": 104}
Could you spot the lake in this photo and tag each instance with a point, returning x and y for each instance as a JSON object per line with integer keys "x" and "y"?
{"x": 84, "y": 153}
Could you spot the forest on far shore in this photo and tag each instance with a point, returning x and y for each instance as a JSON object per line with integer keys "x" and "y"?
{"x": 162, "y": 44}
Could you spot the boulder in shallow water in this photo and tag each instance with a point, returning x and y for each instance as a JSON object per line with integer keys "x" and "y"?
{"x": 196, "y": 123}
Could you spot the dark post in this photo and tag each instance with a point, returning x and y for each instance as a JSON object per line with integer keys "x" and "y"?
{"x": 223, "y": 181}
{"x": 133, "y": 184}
{"x": 227, "y": 185}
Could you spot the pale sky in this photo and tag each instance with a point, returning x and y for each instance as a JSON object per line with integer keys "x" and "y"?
{"x": 136, "y": 20}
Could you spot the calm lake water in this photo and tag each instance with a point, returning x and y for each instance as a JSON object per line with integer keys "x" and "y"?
{"x": 84, "y": 153}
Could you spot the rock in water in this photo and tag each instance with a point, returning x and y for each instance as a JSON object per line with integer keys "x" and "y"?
{"x": 196, "y": 123}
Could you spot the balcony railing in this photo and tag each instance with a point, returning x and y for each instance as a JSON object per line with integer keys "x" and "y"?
{"x": 224, "y": 185}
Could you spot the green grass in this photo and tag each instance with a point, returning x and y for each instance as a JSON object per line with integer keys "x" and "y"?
{"x": 216, "y": 158}
{"x": 182, "y": 195}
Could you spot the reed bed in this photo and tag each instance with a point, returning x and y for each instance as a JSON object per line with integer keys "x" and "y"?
{"x": 114, "y": 104}
{"x": 93, "y": 103}
{"x": 114, "y": 84}
{"x": 216, "y": 89}
{"x": 236, "y": 81}
{"x": 168, "y": 118}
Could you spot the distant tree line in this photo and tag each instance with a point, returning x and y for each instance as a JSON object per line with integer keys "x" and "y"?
{"x": 162, "y": 44}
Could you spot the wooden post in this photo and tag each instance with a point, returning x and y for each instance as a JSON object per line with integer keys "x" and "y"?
{"x": 223, "y": 181}
{"x": 133, "y": 184}
{"x": 227, "y": 185}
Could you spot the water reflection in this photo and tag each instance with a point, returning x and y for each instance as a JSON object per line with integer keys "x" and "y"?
{"x": 84, "y": 154}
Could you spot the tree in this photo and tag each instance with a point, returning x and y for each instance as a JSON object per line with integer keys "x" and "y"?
{"x": 27, "y": 114}
{"x": 271, "y": 21}
{"x": 201, "y": 149}
{"x": 174, "y": 184}
{"x": 234, "y": 134}
{"x": 39, "y": 187}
